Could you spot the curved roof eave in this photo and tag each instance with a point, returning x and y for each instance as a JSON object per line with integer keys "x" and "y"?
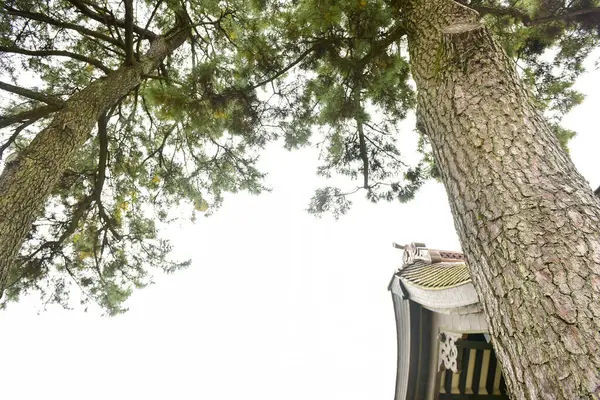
{"x": 456, "y": 296}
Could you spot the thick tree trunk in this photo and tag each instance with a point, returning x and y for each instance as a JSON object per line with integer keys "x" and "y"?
{"x": 27, "y": 182}
{"x": 527, "y": 220}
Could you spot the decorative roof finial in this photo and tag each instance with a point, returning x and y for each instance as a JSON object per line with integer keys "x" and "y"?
{"x": 416, "y": 251}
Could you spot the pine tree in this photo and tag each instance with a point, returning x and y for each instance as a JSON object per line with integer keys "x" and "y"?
{"x": 492, "y": 81}
{"x": 156, "y": 104}
{"x": 117, "y": 112}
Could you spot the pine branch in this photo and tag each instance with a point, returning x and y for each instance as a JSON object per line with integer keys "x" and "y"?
{"x": 501, "y": 12}
{"x": 109, "y": 19}
{"x": 128, "y": 32}
{"x": 379, "y": 47}
{"x": 101, "y": 174}
{"x": 148, "y": 22}
{"x": 58, "y": 53}
{"x": 32, "y": 94}
{"x": 363, "y": 154}
{"x": 33, "y": 115}
{"x": 525, "y": 18}
{"x": 286, "y": 69}
{"x": 565, "y": 16}
{"x": 61, "y": 24}
{"x": 14, "y": 137}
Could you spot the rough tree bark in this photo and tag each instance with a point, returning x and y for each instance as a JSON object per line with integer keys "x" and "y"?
{"x": 528, "y": 222}
{"x": 26, "y": 183}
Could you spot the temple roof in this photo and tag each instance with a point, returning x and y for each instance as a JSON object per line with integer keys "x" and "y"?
{"x": 431, "y": 285}
{"x": 442, "y": 275}
{"x": 432, "y": 269}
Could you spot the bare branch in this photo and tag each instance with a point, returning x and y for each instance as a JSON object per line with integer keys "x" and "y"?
{"x": 59, "y": 53}
{"x": 32, "y": 94}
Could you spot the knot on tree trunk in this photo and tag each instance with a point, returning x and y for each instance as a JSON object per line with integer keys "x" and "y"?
{"x": 465, "y": 42}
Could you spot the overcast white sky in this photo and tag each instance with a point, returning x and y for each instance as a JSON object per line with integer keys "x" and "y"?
{"x": 277, "y": 304}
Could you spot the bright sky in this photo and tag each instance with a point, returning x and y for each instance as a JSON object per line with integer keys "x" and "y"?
{"x": 277, "y": 304}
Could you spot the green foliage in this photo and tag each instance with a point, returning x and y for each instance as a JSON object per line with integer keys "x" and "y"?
{"x": 183, "y": 138}
{"x": 333, "y": 74}
{"x": 355, "y": 87}
{"x": 351, "y": 92}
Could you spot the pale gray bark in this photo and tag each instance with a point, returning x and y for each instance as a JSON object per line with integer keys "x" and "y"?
{"x": 528, "y": 222}
{"x": 26, "y": 183}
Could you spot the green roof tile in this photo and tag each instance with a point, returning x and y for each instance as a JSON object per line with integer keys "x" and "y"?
{"x": 441, "y": 275}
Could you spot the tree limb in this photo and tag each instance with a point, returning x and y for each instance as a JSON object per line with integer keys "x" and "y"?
{"x": 14, "y": 137}
{"x": 33, "y": 114}
{"x": 502, "y": 12}
{"x": 61, "y": 24}
{"x": 148, "y": 22}
{"x": 85, "y": 10}
{"x": 101, "y": 174}
{"x": 379, "y": 47}
{"x": 59, "y": 53}
{"x": 565, "y": 16}
{"x": 32, "y": 94}
{"x": 286, "y": 69}
{"x": 363, "y": 154}
{"x": 128, "y": 32}
{"x": 525, "y": 18}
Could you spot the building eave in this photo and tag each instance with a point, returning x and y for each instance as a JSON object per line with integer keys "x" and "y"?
{"x": 449, "y": 298}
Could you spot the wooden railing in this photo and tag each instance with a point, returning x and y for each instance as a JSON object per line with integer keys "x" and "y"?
{"x": 479, "y": 376}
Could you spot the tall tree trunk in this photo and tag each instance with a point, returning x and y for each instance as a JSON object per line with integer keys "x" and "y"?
{"x": 27, "y": 182}
{"x": 528, "y": 222}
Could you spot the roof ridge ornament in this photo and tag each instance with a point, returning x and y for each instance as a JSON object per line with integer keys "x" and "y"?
{"x": 417, "y": 251}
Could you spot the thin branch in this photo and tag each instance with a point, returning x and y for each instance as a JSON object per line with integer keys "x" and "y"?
{"x": 115, "y": 50}
{"x": 159, "y": 150}
{"x": 106, "y": 19}
{"x": 376, "y": 129}
{"x": 286, "y": 69}
{"x": 378, "y": 48}
{"x": 358, "y": 188}
{"x": 502, "y": 12}
{"x": 14, "y": 136}
{"x": 363, "y": 154}
{"x": 525, "y": 18}
{"x": 101, "y": 174}
{"x": 148, "y": 22}
{"x": 391, "y": 155}
{"x": 61, "y": 24}
{"x": 80, "y": 210}
{"x": 59, "y": 53}
{"x": 103, "y": 155}
{"x": 32, "y": 94}
{"x": 565, "y": 16}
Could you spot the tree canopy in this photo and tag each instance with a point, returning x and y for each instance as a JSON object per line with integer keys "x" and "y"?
{"x": 324, "y": 73}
